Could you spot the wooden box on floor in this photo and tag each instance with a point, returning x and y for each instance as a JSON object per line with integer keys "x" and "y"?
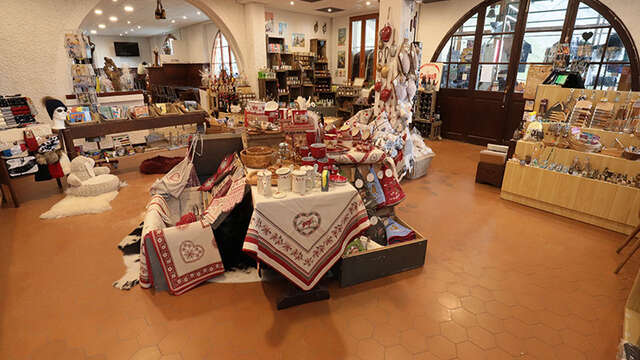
{"x": 388, "y": 260}
{"x": 491, "y": 174}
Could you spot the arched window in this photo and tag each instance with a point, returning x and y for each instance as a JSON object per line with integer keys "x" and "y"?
{"x": 596, "y": 37}
{"x": 222, "y": 57}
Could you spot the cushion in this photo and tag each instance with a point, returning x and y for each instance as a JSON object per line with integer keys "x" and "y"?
{"x": 493, "y": 157}
{"x": 95, "y": 186}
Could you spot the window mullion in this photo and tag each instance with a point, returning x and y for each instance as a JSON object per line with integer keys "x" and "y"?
{"x": 477, "y": 45}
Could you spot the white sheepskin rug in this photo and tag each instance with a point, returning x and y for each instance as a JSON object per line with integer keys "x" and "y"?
{"x": 79, "y": 205}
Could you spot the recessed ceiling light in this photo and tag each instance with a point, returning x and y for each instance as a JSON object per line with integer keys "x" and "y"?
{"x": 368, "y": 3}
{"x": 184, "y": 17}
{"x": 173, "y": 21}
{"x": 291, "y": 2}
{"x": 102, "y": 26}
{"x": 120, "y": 34}
{"x": 329, "y": 10}
{"x": 98, "y": 11}
{"x": 128, "y": 21}
{"x": 128, "y": 8}
{"x": 113, "y": 18}
{"x": 93, "y": 32}
{"x": 198, "y": 12}
{"x": 139, "y": 27}
{"x": 116, "y": 1}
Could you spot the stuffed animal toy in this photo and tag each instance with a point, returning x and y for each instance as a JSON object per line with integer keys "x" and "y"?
{"x": 113, "y": 73}
{"x": 87, "y": 180}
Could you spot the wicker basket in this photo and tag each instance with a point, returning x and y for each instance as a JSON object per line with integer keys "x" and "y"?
{"x": 254, "y": 161}
{"x": 259, "y": 150}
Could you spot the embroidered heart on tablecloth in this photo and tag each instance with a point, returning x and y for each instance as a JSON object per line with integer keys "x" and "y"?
{"x": 307, "y": 223}
{"x": 175, "y": 177}
{"x": 191, "y": 252}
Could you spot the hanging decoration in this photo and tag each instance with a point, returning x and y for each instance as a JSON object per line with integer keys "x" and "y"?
{"x": 160, "y": 13}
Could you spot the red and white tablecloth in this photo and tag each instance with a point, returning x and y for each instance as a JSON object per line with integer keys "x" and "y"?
{"x": 303, "y": 236}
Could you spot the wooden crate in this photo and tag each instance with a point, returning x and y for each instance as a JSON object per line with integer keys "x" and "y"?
{"x": 388, "y": 260}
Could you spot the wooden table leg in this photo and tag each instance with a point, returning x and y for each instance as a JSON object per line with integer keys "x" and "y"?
{"x": 68, "y": 143}
{"x": 294, "y": 296}
{"x": 635, "y": 248}
{"x": 60, "y": 188}
{"x": 5, "y": 179}
{"x": 631, "y": 236}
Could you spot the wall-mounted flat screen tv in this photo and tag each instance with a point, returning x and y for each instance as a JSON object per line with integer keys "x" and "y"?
{"x": 126, "y": 48}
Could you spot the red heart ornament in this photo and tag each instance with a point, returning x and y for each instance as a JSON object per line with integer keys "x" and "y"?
{"x": 385, "y": 94}
{"x": 385, "y": 33}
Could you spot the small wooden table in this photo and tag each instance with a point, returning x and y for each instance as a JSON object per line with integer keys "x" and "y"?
{"x": 120, "y": 126}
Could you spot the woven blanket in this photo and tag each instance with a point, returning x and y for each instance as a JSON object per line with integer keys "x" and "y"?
{"x": 303, "y": 236}
{"x": 188, "y": 255}
{"x": 357, "y": 157}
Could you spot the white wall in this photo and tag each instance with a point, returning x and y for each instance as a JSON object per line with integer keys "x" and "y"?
{"x": 436, "y": 19}
{"x": 301, "y": 24}
{"x": 193, "y": 44}
{"x": 104, "y": 47}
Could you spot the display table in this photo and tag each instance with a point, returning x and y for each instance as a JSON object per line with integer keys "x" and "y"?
{"x": 119, "y": 126}
{"x": 302, "y": 237}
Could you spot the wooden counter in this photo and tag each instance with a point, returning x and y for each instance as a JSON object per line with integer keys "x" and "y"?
{"x": 610, "y": 206}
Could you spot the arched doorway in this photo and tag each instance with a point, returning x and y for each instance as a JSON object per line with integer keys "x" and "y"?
{"x": 488, "y": 52}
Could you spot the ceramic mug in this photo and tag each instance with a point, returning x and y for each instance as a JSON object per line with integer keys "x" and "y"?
{"x": 318, "y": 150}
{"x": 299, "y": 182}
{"x": 284, "y": 179}
{"x": 309, "y": 160}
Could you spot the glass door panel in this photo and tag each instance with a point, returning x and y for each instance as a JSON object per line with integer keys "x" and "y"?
{"x": 356, "y": 48}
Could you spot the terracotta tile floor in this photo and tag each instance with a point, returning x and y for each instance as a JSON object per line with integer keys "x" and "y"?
{"x": 502, "y": 281}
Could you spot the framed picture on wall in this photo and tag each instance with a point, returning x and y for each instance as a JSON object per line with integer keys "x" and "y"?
{"x": 342, "y": 36}
{"x": 341, "y": 59}
{"x": 268, "y": 22}
{"x": 297, "y": 40}
{"x": 282, "y": 28}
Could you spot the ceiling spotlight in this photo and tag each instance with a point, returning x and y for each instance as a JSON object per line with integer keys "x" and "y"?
{"x": 173, "y": 21}
{"x": 139, "y": 27}
{"x": 129, "y": 22}
{"x": 113, "y": 18}
{"x": 329, "y": 10}
{"x": 102, "y": 26}
{"x": 368, "y": 3}
{"x": 128, "y": 8}
{"x": 184, "y": 17}
{"x": 116, "y": 1}
{"x": 291, "y": 2}
{"x": 198, "y": 12}
{"x": 93, "y": 32}
{"x": 97, "y": 11}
